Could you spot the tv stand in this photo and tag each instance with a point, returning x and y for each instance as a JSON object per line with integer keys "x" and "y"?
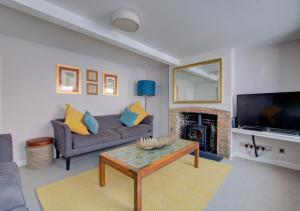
{"x": 253, "y": 128}
{"x": 283, "y": 131}
{"x": 268, "y": 134}
{"x": 273, "y": 136}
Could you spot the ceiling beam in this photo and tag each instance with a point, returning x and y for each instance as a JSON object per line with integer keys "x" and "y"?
{"x": 54, "y": 14}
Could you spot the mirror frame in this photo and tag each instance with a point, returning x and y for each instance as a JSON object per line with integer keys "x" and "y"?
{"x": 181, "y": 68}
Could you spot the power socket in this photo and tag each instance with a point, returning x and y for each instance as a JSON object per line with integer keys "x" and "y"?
{"x": 281, "y": 151}
{"x": 267, "y": 148}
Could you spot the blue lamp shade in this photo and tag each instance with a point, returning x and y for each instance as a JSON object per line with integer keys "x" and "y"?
{"x": 146, "y": 88}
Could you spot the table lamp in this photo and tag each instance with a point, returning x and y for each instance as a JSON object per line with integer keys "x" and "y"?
{"x": 146, "y": 88}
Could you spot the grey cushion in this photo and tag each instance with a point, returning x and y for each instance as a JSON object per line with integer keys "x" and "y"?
{"x": 108, "y": 122}
{"x": 11, "y": 195}
{"x": 127, "y": 132}
{"x": 22, "y": 208}
{"x": 104, "y": 136}
{"x": 5, "y": 148}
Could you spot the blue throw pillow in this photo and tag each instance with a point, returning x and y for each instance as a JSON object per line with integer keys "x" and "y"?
{"x": 128, "y": 117}
{"x": 90, "y": 122}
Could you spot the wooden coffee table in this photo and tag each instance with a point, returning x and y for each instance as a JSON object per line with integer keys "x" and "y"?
{"x": 138, "y": 163}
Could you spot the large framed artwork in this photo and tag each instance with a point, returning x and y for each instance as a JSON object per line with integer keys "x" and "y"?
{"x": 110, "y": 85}
{"x": 68, "y": 79}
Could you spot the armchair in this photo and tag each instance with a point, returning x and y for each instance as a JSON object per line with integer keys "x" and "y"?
{"x": 11, "y": 196}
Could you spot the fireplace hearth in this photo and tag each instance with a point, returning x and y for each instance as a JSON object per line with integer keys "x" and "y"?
{"x": 211, "y": 121}
{"x": 201, "y": 128}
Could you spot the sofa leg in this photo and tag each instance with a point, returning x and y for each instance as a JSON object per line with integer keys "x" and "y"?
{"x": 68, "y": 161}
{"x": 57, "y": 153}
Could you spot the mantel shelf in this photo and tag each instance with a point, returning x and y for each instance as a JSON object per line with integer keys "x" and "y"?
{"x": 272, "y": 135}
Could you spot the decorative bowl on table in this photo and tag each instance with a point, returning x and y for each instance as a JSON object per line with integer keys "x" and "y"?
{"x": 155, "y": 143}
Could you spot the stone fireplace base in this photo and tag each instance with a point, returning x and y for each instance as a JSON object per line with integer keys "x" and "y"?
{"x": 223, "y": 125}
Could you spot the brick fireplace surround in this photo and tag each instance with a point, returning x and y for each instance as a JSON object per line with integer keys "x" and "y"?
{"x": 223, "y": 126}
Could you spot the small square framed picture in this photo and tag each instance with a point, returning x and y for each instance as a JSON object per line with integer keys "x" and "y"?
{"x": 67, "y": 79}
{"x": 92, "y": 75}
{"x": 91, "y": 89}
{"x": 110, "y": 85}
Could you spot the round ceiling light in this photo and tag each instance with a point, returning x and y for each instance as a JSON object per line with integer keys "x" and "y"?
{"x": 126, "y": 20}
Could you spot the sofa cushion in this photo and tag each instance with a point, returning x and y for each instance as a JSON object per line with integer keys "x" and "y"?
{"x": 22, "y": 208}
{"x": 108, "y": 122}
{"x": 11, "y": 195}
{"x": 104, "y": 136}
{"x": 128, "y": 117}
{"x": 74, "y": 119}
{"x": 90, "y": 122}
{"x": 138, "y": 109}
{"x": 127, "y": 132}
{"x": 6, "y": 148}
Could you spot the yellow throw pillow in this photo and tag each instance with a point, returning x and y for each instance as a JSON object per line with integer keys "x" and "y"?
{"x": 74, "y": 119}
{"x": 138, "y": 109}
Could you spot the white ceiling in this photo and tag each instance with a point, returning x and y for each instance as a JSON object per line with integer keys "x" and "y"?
{"x": 179, "y": 29}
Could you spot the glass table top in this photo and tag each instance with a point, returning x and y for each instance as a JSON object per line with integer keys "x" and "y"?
{"x": 139, "y": 158}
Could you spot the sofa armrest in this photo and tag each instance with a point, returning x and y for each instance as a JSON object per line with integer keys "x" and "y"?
{"x": 62, "y": 137}
{"x": 6, "y": 153}
{"x": 148, "y": 120}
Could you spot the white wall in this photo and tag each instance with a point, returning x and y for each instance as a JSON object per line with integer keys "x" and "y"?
{"x": 0, "y": 94}
{"x": 225, "y": 54}
{"x": 273, "y": 68}
{"x": 30, "y": 50}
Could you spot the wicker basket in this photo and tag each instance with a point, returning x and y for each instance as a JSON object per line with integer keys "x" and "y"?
{"x": 39, "y": 152}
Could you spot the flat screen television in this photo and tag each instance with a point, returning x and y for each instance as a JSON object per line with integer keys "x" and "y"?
{"x": 269, "y": 110}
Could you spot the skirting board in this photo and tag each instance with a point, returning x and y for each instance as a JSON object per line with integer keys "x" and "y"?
{"x": 21, "y": 163}
{"x": 268, "y": 161}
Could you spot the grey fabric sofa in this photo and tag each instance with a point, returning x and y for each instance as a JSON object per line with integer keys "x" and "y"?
{"x": 111, "y": 133}
{"x": 11, "y": 195}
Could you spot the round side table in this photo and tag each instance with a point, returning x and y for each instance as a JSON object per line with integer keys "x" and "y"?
{"x": 39, "y": 152}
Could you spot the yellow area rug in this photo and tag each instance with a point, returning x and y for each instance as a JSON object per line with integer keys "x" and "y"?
{"x": 178, "y": 186}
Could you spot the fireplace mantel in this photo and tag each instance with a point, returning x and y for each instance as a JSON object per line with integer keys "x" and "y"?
{"x": 223, "y": 125}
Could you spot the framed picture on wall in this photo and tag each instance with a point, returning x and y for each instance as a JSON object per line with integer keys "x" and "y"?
{"x": 68, "y": 79}
{"x": 91, "y": 89}
{"x": 92, "y": 75}
{"x": 110, "y": 85}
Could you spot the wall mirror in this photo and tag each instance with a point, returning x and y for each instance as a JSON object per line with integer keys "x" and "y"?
{"x": 198, "y": 83}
